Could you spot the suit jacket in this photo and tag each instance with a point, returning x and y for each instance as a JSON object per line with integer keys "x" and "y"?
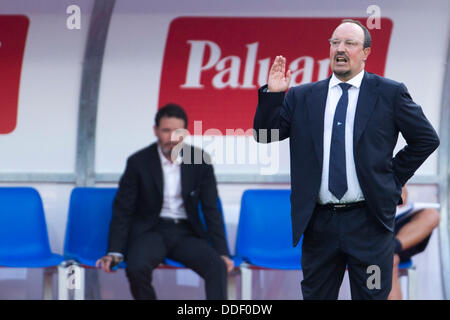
{"x": 139, "y": 199}
{"x": 384, "y": 108}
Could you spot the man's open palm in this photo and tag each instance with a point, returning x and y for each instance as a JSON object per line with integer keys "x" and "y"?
{"x": 279, "y": 80}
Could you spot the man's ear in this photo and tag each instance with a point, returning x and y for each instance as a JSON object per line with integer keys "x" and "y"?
{"x": 366, "y": 53}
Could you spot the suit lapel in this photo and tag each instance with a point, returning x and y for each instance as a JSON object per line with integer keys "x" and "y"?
{"x": 155, "y": 167}
{"x": 365, "y": 106}
{"x": 187, "y": 173}
{"x": 316, "y": 102}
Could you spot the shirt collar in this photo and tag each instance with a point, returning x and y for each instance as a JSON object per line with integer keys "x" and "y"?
{"x": 355, "y": 81}
{"x": 165, "y": 161}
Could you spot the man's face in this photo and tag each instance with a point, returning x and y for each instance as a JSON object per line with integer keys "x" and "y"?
{"x": 170, "y": 132}
{"x": 347, "y": 56}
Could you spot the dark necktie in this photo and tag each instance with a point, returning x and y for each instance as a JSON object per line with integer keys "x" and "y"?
{"x": 337, "y": 179}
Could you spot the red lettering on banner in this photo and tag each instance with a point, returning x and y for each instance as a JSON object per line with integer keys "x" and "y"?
{"x": 13, "y": 33}
{"x": 213, "y": 66}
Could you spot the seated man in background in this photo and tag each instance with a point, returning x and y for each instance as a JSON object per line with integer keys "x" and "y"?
{"x": 412, "y": 233}
{"x": 155, "y": 212}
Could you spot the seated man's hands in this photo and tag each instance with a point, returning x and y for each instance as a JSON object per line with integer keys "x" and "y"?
{"x": 108, "y": 262}
{"x": 228, "y": 262}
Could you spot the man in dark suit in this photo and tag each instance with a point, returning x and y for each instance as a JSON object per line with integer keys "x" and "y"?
{"x": 155, "y": 212}
{"x": 345, "y": 181}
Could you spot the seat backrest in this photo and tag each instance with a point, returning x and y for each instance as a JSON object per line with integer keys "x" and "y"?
{"x": 264, "y": 235}
{"x": 23, "y": 230}
{"x": 90, "y": 213}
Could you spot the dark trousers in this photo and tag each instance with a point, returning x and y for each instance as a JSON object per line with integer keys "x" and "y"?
{"x": 176, "y": 241}
{"x": 353, "y": 239}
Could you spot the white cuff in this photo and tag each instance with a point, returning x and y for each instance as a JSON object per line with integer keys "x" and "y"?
{"x": 116, "y": 254}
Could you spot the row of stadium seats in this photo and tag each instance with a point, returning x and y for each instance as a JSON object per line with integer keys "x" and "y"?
{"x": 263, "y": 240}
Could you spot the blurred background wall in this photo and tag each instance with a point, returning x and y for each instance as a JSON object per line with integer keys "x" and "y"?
{"x": 149, "y": 48}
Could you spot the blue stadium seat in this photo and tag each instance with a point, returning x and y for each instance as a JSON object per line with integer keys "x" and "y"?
{"x": 24, "y": 239}
{"x": 86, "y": 238}
{"x": 264, "y": 235}
{"x": 23, "y": 231}
{"x": 90, "y": 212}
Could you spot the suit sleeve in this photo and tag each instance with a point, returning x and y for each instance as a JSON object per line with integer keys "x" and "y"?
{"x": 213, "y": 217}
{"x": 123, "y": 209}
{"x": 420, "y": 136}
{"x": 273, "y": 115}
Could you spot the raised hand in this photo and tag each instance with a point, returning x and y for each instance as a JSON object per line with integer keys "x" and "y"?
{"x": 279, "y": 80}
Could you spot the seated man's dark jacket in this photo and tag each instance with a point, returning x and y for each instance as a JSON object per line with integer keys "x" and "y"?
{"x": 139, "y": 199}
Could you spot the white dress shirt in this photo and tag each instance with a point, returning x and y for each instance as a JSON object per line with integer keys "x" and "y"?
{"x": 354, "y": 192}
{"x": 173, "y": 205}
